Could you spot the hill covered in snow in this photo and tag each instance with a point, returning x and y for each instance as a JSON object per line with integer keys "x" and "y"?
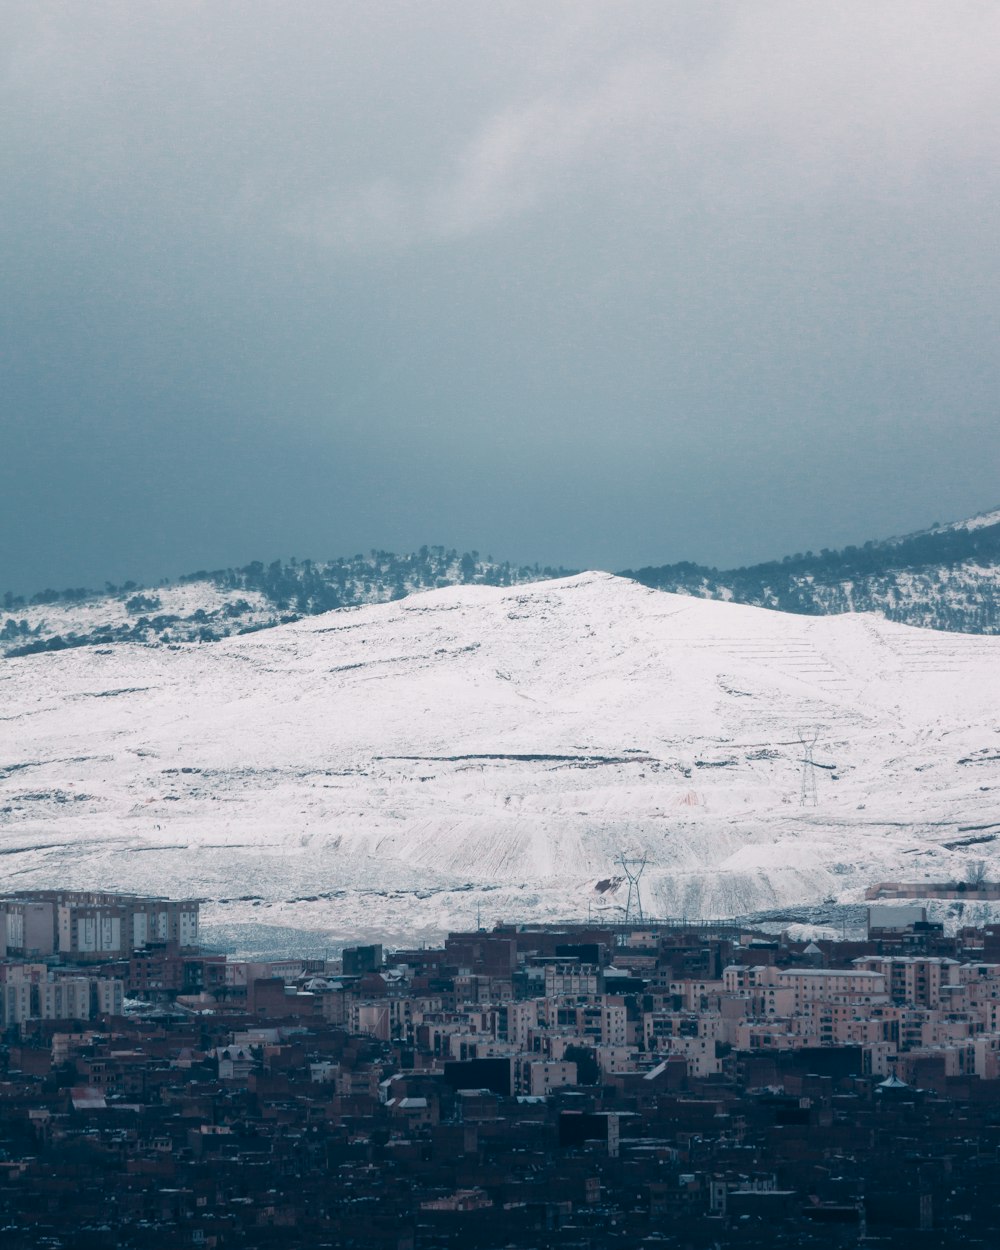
{"x": 404, "y": 767}
{"x": 206, "y": 606}
{"x": 944, "y": 578}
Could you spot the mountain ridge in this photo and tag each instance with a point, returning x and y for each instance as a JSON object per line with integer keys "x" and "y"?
{"x": 946, "y": 577}
{"x": 206, "y": 606}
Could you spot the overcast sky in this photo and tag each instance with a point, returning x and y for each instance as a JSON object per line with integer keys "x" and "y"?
{"x": 602, "y": 284}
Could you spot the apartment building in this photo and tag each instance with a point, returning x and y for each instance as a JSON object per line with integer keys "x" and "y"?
{"x": 91, "y": 926}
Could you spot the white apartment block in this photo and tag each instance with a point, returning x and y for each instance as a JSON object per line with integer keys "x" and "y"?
{"x": 538, "y": 1077}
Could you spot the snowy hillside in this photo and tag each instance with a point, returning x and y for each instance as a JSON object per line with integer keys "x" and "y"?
{"x": 982, "y": 520}
{"x": 203, "y": 607}
{"x": 944, "y": 578}
{"x": 183, "y": 613}
{"x": 397, "y": 768}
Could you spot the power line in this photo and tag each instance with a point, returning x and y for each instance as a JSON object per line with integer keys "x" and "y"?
{"x": 632, "y": 866}
{"x": 807, "y": 793}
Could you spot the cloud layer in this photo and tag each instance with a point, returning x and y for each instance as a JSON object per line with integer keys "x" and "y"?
{"x": 590, "y": 282}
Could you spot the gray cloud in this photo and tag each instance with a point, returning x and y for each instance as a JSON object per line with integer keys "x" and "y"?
{"x": 583, "y": 282}
{"x": 788, "y": 107}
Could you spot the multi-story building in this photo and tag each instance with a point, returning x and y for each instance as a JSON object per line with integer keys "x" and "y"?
{"x": 93, "y": 926}
{"x": 860, "y": 984}
{"x": 52, "y": 997}
{"x": 538, "y": 1077}
{"x": 571, "y": 979}
{"x": 27, "y": 927}
{"x": 913, "y": 979}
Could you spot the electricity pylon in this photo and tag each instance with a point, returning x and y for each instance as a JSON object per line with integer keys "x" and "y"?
{"x": 807, "y": 793}
{"x": 632, "y": 866}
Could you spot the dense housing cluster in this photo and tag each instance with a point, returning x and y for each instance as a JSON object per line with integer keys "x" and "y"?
{"x": 577, "y": 1086}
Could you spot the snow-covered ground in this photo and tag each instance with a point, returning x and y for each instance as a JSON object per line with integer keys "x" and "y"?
{"x": 204, "y": 606}
{"x": 980, "y": 521}
{"x": 481, "y": 752}
{"x": 111, "y": 610}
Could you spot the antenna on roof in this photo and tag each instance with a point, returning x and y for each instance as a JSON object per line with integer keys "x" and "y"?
{"x": 807, "y": 792}
{"x": 632, "y": 866}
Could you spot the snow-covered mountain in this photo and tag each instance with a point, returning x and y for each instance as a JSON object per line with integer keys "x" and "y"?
{"x": 947, "y": 577}
{"x": 402, "y": 767}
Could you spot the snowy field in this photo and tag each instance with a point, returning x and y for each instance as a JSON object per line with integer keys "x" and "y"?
{"x": 479, "y": 753}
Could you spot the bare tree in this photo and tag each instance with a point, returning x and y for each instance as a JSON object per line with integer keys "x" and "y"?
{"x": 975, "y": 873}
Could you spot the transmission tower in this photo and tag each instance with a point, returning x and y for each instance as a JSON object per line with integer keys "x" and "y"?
{"x": 632, "y": 866}
{"x": 807, "y": 793}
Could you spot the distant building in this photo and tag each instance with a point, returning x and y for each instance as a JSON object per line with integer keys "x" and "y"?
{"x": 895, "y": 918}
{"x": 85, "y": 926}
{"x": 358, "y": 960}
